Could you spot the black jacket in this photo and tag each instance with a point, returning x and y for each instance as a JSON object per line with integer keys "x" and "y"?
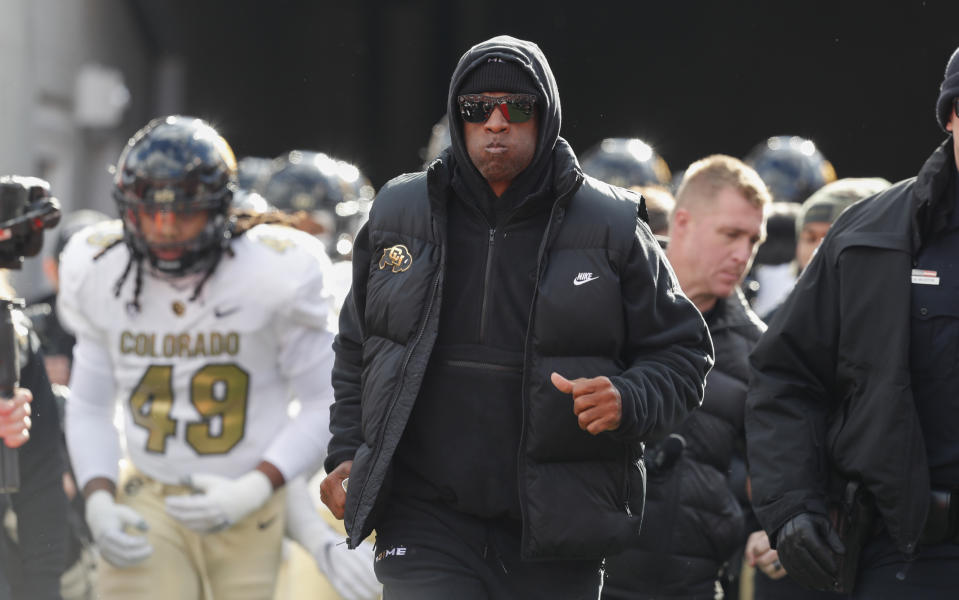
{"x": 830, "y": 396}
{"x": 694, "y": 522}
{"x": 580, "y": 495}
{"x": 32, "y": 567}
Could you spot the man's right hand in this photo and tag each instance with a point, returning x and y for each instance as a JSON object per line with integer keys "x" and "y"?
{"x": 810, "y": 549}
{"x": 332, "y": 490}
{"x": 107, "y": 521}
{"x": 15, "y": 418}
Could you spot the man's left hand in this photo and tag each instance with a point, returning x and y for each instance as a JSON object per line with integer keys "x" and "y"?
{"x": 220, "y": 501}
{"x": 596, "y": 402}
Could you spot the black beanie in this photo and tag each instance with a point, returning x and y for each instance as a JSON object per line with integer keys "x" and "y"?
{"x": 498, "y": 75}
{"x": 949, "y": 90}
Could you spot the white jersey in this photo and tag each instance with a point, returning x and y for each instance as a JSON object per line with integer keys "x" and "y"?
{"x": 204, "y": 384}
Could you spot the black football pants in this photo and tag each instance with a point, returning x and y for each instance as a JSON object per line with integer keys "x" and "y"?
{"x": 427, "y": 551}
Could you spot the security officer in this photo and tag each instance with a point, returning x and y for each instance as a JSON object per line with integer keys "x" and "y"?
{"x": 853, "y": 404}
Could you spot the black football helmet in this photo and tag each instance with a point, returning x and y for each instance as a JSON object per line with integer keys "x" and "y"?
{"x": 176, "y": 165}
{"x": 252, "y": 172}
{"x": 791, "y": 166}
{"x": 626, "y": 162}
{"x": 334, "y": 193}
{"x": 26, "y": 209}
{"x": 439, "y": 141}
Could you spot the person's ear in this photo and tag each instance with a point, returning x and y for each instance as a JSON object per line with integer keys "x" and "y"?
{"x": 681, "y": 220}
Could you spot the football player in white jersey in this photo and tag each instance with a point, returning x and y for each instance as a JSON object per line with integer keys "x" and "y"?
{"x": 330, "y": 199}
{"x": 201, "y": 328}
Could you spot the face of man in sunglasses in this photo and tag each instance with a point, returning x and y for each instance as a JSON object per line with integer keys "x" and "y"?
{"x": 500, "y": 150}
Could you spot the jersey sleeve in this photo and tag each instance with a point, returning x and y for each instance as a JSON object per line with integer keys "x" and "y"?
{"x": 92, "y": 440}
{"x": 304, "y": 325}
{"x": 78, "y": 282}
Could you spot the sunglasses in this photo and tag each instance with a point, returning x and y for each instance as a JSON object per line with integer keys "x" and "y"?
{"x": 477, "y": 108}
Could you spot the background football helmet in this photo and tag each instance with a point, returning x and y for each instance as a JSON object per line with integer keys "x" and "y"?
{"x": 439, "y": 140}
{"x": 791, "y": 166}
{"x": 252, "y": 172}
{"x": 180, "y": 165}
{"x": 334, "y": 193}
{"x": 626, "y": 162}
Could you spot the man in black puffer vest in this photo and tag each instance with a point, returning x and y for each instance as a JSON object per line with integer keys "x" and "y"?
{"x": 512, "y": 336}
{"x": 694, "y": 523}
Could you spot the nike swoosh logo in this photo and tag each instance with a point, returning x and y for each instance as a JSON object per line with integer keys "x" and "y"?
{"x": 219, "y": 313}
{"x": 582, "y": 281}
{"x": 265, "y": 524}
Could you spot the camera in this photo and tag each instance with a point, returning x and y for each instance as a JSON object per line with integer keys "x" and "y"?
{"x": 26, "y": 209}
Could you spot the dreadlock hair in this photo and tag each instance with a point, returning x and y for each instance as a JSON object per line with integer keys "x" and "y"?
{"x": 239, "y": 222}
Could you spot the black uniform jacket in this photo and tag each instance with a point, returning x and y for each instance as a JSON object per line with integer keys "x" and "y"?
{"x": 830, "y": 393}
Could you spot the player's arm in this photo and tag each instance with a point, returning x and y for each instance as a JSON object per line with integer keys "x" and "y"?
{"x": 94, "y": 447}
{"x": 349, "y": 572}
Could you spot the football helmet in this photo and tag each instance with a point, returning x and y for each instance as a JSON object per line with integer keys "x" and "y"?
{"x": 333, "y": 193}
{"x": 626, "y": 162}
{"x": 439, "y": 141}
{"x": 176, "y": 166}
{"x": 252, "y": 171}
{"x": 791, "y": 166}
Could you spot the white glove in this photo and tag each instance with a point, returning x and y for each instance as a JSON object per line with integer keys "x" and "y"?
{"x": 349, "y": 572}
{"x": 221, "y": 502}
{"x": 107, "y": 521}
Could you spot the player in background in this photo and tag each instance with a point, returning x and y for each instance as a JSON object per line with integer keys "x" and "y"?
{"x": 201, "y": 325}
{"x": 330, "y": 199}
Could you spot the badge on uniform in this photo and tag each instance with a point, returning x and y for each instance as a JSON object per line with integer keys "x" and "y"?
{"x": 397, "y": 257}
{"x": 925, "y": 277}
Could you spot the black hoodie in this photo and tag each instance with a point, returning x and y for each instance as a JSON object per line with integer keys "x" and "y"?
{"x": 474, "y": 374}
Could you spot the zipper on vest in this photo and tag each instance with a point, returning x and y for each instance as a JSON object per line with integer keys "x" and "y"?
{"x": 486, "y": 282}
{"x": 396, "y": 395}
{"x": 555, "y": 219}
{"x": 485, "y": 366}
{"x": 626, "y": 491}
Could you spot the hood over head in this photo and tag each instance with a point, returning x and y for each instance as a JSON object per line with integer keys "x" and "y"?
{"x": 532, "y": 61}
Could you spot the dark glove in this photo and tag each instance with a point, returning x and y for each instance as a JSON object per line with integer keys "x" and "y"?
{"x": 810, "y": 550}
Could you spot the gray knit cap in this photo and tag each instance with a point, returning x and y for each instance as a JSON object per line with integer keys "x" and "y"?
{"x": 829, "y": 201}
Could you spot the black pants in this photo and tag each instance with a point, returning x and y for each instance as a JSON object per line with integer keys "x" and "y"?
{"x": 885, "y": 573}
{"x": 427, "y": 551}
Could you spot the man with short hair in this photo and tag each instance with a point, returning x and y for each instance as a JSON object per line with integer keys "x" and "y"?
{"x": 854, "y": 398}
{"x": 512, "y": 336}
{"x": 693, "y": 522}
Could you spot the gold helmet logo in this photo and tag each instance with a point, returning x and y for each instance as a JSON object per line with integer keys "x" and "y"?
{"x": 397, "y": 257}
{"x": 164, "y": 196}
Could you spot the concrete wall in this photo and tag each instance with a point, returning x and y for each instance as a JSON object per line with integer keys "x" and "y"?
{"x": 44, "y": 45}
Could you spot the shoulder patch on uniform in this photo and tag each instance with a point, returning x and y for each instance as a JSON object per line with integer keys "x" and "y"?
{"x": 102, "y": 239}
{"x": 277, "y": 244}
{"x": 397, "y": 257}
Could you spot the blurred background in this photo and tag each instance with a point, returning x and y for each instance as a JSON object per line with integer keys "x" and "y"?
{"x": 365, "y": 80}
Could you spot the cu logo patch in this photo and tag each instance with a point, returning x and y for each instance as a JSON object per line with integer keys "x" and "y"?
{"x": 397, "y": 257}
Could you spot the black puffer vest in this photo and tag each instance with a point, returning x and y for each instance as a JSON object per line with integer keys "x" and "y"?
{"x": 581, "y": 496}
